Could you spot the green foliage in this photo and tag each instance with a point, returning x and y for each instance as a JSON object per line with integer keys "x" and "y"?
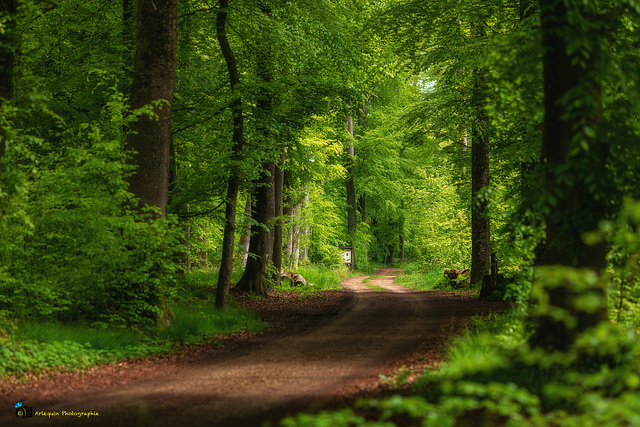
{"x": 624, "y": 271}
{"x": 414, "y": 278}
{"x": 195, "y": 321}
{"x": 35, "y": 346}
{"x": 86, "y": 254}
{"x": 492, "y": 377}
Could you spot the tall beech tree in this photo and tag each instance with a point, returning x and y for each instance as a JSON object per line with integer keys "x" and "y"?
{"x": 7, "y": 12}
{"x": 575, "y": 157}
{"x": 226, "y": 264}
{"x": 149, "y": 138}
{"x": 254, "y": 278}
{"x": 480, "y": 223}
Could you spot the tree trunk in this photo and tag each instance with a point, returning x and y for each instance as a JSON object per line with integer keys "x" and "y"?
{"x": 153, "y": 80}
{"x": 401, "y": 238}
{"x": 480, "y": 231}
{"x": 573, "y": 208}
{"x": 7, "y": 46}
{"x": 226, "y": 264}
{"x": 246, "y": 235}
{"x": 351, "y": 188}
{"x": 295, "y": 236}
{"x": 287, "y": 212}
{"x": 277, "y": 230}
{"x": 254, "y": 279}
{"x": 304, "y": 238}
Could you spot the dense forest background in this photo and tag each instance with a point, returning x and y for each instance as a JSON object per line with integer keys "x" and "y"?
{"x": 141, "y": 141}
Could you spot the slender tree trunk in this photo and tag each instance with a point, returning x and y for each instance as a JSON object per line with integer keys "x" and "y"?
{"x": 401, "y": 237}
{"x": 362, "y": 207}
{"x": 304, "y": 238}
{"x": 153, "y": 80}
{"x": 573, "y": 208}
{"x": 7, "y": 57}
{"x": 246, "y": 235}
{"x": 226, "y": 264}
{"x": 277, "y": 230}
{"x": 295, "y": 236}
{"x": 351, "y": 188}
{"x": 480, "y": 230}
{"x": 287, "y": 212}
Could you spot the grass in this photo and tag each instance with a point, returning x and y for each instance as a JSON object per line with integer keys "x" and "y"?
{"x": 322, "y": 278}
{"x": 195, "y": 321}
{"x": 415, "y": 279}
{"x": 38, "y": 346}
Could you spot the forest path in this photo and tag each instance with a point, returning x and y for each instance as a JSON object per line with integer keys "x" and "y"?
{"x": 342, "y": 354}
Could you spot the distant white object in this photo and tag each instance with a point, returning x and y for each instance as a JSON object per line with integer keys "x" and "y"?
{"x": 347, "y": 255}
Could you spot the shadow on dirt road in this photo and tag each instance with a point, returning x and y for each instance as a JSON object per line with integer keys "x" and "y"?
{"x": 339, "y": 355}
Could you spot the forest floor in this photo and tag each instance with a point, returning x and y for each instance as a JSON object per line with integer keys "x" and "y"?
{"x": 323, "y": 350}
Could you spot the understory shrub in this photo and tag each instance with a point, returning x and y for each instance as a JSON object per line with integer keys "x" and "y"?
{"x": 86, "y": 253}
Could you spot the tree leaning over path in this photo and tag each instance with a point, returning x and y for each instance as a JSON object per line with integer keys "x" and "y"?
{"x": 154, "y": 75}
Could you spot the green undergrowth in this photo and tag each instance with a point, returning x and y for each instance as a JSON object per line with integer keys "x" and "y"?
{"x": 38, "y": 346}
{"x": 413, "y": 277}
{"x": 322, "y": 278}
{"x": 492, "y": 377}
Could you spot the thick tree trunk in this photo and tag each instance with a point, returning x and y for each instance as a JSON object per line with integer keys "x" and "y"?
{"x": 480, "y": 230}
{"x": 7, "y": 46}
{"x": 153, "y": 80}
{"x": 226, "y": 264}
{"x": 254, "y": 279}
{"x": 351, "y": 188}
{"x": 573, "y": 208}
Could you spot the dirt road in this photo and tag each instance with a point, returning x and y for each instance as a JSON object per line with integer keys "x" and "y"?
{"x": 338, "y": 355}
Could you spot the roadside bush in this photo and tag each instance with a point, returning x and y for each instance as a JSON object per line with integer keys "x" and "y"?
{"x": 84, "y": 254}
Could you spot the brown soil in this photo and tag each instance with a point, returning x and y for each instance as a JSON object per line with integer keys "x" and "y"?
{"x": 320, "y": 351}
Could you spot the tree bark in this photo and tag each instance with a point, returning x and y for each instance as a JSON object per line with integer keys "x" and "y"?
{"x": 254, "y": 279}
{"x": 480, "y": 227}
{"x": 573, "y": 208}
{"x": 153, "y": 80}
{"x": 351, "y": 188}
{"x": 277, "y": 230}
{"x": 287, "y": 212}
{"x": 226, "y": 264}
{"x": 295, "y": 236}
{"x": 303, "y": 240}
{"x": 401, "y": 237}
{"x": 7, "y": 57}
{"x": 246, "y": 235}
